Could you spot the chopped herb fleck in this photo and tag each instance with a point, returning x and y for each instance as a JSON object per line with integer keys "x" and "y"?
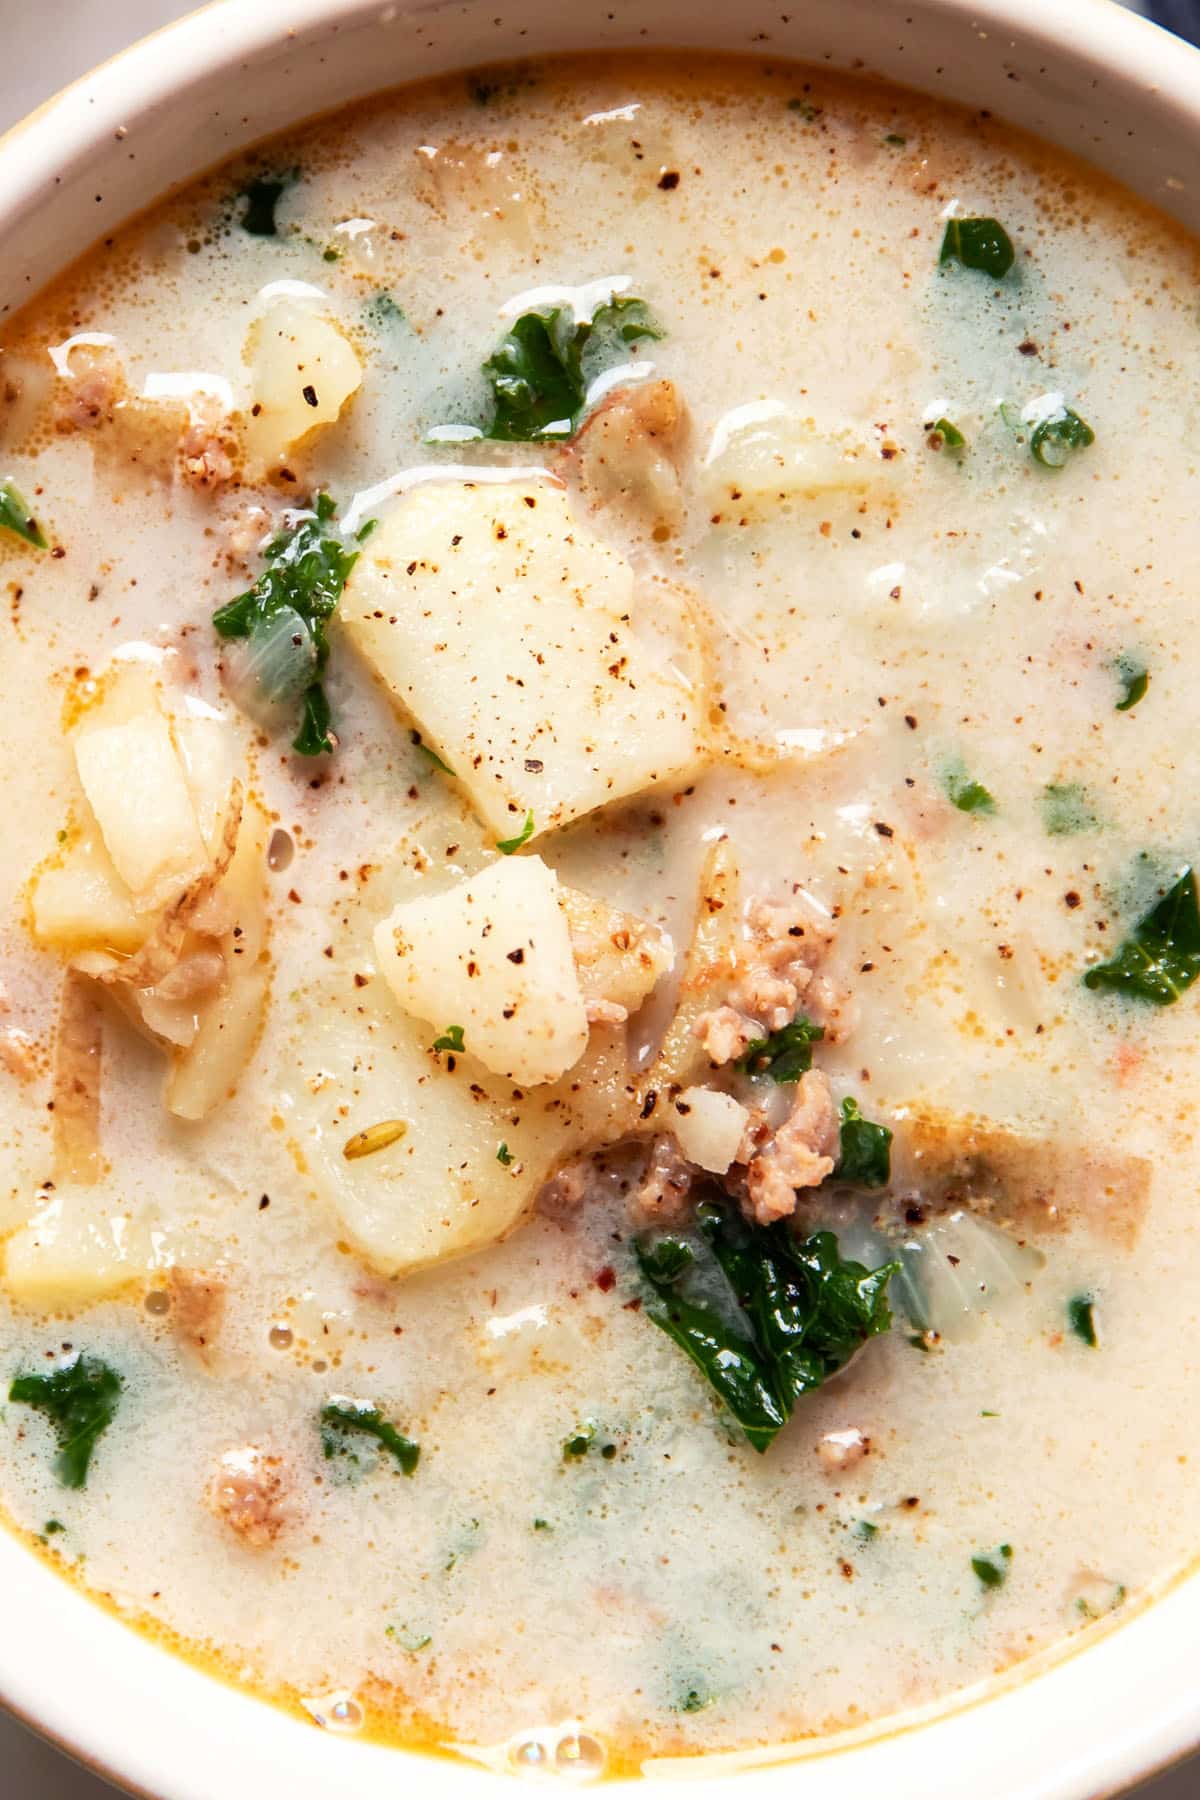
{"x": 865, "y": 1530}
{"x": 16, "y": 517}
{"x": 805, "y": 108}
{"x": 1081, "y": 1316}
{"x": 968, "y": 795}
{"x": 894, "y": 138}
{"x": 580, "y": 1441}
{"x": 992, "y": 1568}
{"x": 451, "y": 1039}
{"x": 383, "y": 311}
{"x": 766, "y": 1317}
{"x": 504, "y": 1155}
{"x": 1055, "y": 440}
{"x": 80, "y": 1399}
{"x": 786, "y": 1055}
{"x": 341, "y": 1417}
{"x": 945, "y": 435}
{"x": 1066, "y": 810}
{"x": 1134, "y": 678}
{"x": 694, "y": 1700}
{"x": 432, "y": 757}
{"x": 865, "y": 1159}
{"x": 506, "y": 846}
{"x": 981, "y": 244}
{"x": 542, "y": 1525}
{"x": 52, "y": 1527}
{"x": 1160, "y": 958}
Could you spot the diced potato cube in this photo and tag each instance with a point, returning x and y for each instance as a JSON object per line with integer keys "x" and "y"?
{"x": 137, "y": 790}
{"x": 303, "y": 370}
{"x": 80, "y": 901}
{"x": 708, "y": 1127}
{"x": 506, "y": 630}
{"x": 80, "y": 1247}
{"x": 765, "y": 453}
{"x": 492, "y": 955}
{"x": 349, "y": 1059}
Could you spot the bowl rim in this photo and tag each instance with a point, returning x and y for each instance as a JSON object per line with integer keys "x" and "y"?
{"x": 74, "y": 125}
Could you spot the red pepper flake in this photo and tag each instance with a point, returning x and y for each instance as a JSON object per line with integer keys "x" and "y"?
{"x": 606, "y": 1280}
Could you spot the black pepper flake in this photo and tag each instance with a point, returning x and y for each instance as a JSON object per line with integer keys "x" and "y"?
{"x": 649, "y": 1104}
{"x": 668, "y": 180}
{"x": 884, "y": 830}
{"x": 516, "y": 956}
{"x": 264, "y": 1202}
{"x": 310, "y": 394}
{"x": 533, "y": 766}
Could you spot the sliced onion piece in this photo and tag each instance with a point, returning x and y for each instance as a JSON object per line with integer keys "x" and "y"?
{"x": 959, "y": 1268}
{"x": 267, "y": 673}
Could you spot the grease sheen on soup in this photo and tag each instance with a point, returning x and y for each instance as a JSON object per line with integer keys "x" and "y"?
{"x": 721, "y": 536}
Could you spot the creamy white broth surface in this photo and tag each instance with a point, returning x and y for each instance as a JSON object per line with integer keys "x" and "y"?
{"x": 885, "y": 671}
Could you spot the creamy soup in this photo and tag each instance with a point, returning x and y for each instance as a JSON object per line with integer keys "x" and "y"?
{"x": 597, "y": 1066}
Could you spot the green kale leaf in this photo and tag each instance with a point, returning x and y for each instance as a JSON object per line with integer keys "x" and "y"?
{"x": 969, "y": 796}
{"x": 866, "y": 1158}
{"x": 1066, "y": 809}
{"x": 786, "y": 1055}
{"x": 80, "y": 1400}
{"x": 307, "y": 567}
{"x": 981, "y": 244}
{"x": 1081, "y": 1316}
{"x": 340, "y": 1418}
{"x": 992, "y": 1570}
{"x": 262, "y": 196}
{"x": 1055, "y": 440}
{"x": 766, "y": 1317}
{"x": 539, "y": 376}
{"x": 1160, "y": 958}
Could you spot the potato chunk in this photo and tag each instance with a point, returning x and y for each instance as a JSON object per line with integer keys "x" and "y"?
{"x": 137, "y": 789}
{"x": 80, "y": 901}
{"x": 303, "y": 370}
{"x": 477, "y": 1149}
{"x": 492, "y": 955}
{"x": 708, "y": 1127}
{"x": 507, "y": 631}
{"x": 765, "y": 453}
{"x": 82, "y": 1245}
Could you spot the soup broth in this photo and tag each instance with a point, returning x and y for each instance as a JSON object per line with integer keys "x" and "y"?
{"x": 631, "y": 1196}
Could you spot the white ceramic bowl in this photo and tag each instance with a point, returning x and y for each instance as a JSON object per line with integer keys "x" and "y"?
{"x": 1080, "y": 72}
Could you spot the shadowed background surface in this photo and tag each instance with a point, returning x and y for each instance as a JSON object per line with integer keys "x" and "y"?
{"x": 46, "y": 46}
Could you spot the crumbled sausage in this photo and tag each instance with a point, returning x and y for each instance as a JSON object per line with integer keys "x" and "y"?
{"x": 774, "y": 972}
{"x": 797, "y": 1156}
{"x": 247, "y": 1493}
{"x": 666, "y": 1184}
{"x": 564, "y": 1193}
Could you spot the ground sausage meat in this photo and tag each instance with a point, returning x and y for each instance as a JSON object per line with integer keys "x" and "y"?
{"x": 773, "y": 973}
{"x": 666, "y": 1184}
{"x": 248, "y": 1493}
{"x": 799, "y": 1155}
